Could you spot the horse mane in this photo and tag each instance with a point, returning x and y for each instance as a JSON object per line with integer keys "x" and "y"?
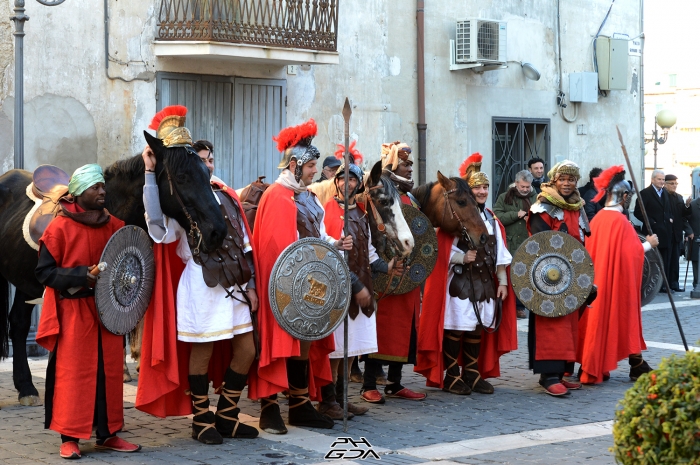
{"x": 422, "y": 193}
{"x": 130, "y": 167}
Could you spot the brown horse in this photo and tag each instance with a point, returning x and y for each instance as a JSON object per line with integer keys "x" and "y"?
{"x": 450, "y": 205}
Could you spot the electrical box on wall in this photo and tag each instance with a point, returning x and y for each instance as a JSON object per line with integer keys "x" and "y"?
{"x": 611, "y": 57}
{"x": 583, "y": 87}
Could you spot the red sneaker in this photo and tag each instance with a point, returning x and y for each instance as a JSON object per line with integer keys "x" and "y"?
{"x": 373, "y": 397}
{"x": 571, "y": 385}
{"x": 406, "y": 393}
{"x": 118, "y": 444}
{"x": 70, "y": 450}
{"x": 557, "y": 390}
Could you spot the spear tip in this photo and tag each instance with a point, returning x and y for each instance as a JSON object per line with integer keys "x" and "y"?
{"x": 347, "y": 111}
{"x": 619, "y": 135}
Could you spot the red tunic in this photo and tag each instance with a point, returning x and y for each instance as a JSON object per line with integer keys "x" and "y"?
{"x": 71, "y": 326}
{"x": 275, "y": 229}
{"x": 395, "y": 315}
{"x": 164, "y": 359}
{"x": 611, "y": 329}
{"x": 429, "y": 361}
{"x": 556, "y": 338}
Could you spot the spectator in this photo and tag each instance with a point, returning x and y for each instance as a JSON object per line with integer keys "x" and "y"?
{"x": 511, "y": 209}
{"x": 536, "y": 167}
{"x": 694, "y": 245}
{"x": 680, "y": 213}
{"x": 589, "y": 191}
{"x": 330, "y": 166}
{"x": 658, "y": 207}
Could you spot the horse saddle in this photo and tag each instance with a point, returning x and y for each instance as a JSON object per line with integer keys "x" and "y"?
{"x": 49, "y": 184}
{"x": 250, "y": 198}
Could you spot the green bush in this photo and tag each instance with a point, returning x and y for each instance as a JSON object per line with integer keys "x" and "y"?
{"x": 658, "y": 421}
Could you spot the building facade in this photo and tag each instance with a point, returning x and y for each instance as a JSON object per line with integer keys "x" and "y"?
{"x": 246, "y": 68}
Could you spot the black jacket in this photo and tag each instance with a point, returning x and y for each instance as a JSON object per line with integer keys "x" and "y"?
{"x": 681, "y": 215}
{"x": 659, "y": 212}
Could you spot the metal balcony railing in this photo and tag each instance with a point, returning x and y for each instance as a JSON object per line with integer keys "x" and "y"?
{"x": 304, "y": 24}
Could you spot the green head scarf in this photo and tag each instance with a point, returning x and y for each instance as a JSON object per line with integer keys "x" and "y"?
{"x": 83, "y": 178}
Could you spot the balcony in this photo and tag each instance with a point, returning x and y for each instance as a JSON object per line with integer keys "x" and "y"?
{"x": 264, "y": 31}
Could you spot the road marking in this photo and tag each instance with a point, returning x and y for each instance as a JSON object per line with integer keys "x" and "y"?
{"x": 663, "y": 345}
{"x": 667, "y": 305}
{"x": 509, "y": 441}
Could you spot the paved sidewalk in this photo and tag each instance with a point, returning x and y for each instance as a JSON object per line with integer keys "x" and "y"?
{"x": 518, "y": 424}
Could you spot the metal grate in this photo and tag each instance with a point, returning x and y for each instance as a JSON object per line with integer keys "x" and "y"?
{"x": 515, "y": 141}
{"x": 305, "y": 24}
{"x": 463, "y": 42}
{"x": 487, "y": 40}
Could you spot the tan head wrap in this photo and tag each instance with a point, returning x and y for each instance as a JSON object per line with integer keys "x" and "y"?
{"x": 564, "y": 167}
{"x": 394, "y": 153}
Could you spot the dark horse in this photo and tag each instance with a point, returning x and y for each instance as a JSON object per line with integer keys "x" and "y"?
{"x": 450, "y": 205}
{"x": 183, "y": 182}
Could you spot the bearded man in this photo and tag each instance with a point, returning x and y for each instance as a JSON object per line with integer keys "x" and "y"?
{"x": 552, "y": 341}
{"x": 611, "y": 329}
{"x": 287, "y": 212}
{"x": 84, "y": 385}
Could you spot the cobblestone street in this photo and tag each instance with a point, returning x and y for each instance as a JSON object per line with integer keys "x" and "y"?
{"x": 518, "y": 424}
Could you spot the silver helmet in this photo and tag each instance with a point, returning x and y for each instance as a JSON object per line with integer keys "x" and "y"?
{"x": 616, "y": 194}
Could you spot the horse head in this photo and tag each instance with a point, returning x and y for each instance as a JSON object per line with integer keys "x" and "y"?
{"x": 186, "y": 195}
{"x": 451, "y": 206}
{"x": 386, "y": 220}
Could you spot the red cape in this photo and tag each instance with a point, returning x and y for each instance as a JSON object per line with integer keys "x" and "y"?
{"x": 164, "y": 359}
{"x": 275, "y": 229}
{"x": 556, "y": 338}
{"x": 430, "y": 332}
{"x": 70, "y": 327}
{"x": 611, "y": 329}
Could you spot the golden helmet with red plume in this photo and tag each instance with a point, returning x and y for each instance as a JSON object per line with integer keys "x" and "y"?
{"x": 169, "y": 124}
{"x": 470, "y": 171}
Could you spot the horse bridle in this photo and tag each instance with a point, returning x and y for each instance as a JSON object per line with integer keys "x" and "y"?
{"x": 194, "y": 233}
{"x": 454, "y": 215}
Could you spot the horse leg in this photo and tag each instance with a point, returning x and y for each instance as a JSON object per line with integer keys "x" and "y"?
{"x": 20, "y": 321}
{"x": 127, "y": 375}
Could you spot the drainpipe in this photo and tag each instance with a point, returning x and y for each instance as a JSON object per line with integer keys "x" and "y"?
{"x": 422, "y": 126}
{"x": 641, "y": 86}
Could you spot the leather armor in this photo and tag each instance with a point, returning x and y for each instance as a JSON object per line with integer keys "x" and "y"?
{"x": 358, "y": 258}
{"x": 309, "y": 215}
{"x": 476, "y": 280}
{"x": 227, "y": 265}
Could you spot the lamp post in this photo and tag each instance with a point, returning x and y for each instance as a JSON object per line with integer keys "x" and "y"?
{"x": 19, "y": 19}
{"x": 666, "y": 119}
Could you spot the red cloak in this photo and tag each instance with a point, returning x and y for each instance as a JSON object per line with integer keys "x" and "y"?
{"x": 395, "y": 314}
{"x": 556, "y": 338}
{"x": 70, "y": 327}
{"x": 275, "y": 229}
{"x": 429, "y": 361}
{"x": 611, "y": 329}
{"x": 164, "y": 359}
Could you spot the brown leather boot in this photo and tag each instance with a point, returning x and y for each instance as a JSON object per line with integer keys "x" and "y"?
{"x": 471, "y": 346}
{"x": 203, "y": 422}
{"x": 638, "y": 366}
{"x": 352, "y": 408}
{"x": 451, "y": 344}
{"x": 328, "y": 405}
{"x": 227, "y": 422}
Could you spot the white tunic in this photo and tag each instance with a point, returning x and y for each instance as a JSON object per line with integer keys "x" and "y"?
{"x": 459, "y": 314}
{"x": 204, "y": 314}
{"x": 362, "y": 331}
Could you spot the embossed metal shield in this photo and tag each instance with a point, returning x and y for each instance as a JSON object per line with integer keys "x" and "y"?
{"x": 552, "y": 274}
{"x": 651, "y": 276}
{"x": 419, "y": 264}
{"x": 124, "y": 288}
{"x": 309, "y": 289}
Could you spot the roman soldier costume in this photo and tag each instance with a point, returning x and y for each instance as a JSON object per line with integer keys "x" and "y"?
{"x": 397, "y": 315}
{"x": 611, "y": 329}
{"x": 461, "y": 304}
{"x": 552, "y": 341}
{"x": 84, "y": 385}
{"x": 211, "y": 304}
{"x": 288, "y": 212}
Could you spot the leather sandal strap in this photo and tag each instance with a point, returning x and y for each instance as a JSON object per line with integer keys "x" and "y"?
{"x": 467, "y": 340}
{"x": 196, "y": 400}
{"x": 229, "y": 395}
{"x": 455, "y": 380}
{"x": 299, "y": 394}
{"x": 267, "y": 402}
{"x": 478, "y": 376}
{"x": 453, "y": 337}
{"x": 205, "y": 426}
{"x": 453, "y": 362}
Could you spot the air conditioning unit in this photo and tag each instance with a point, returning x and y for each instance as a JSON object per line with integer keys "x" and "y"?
{"x": 480, "y": 41}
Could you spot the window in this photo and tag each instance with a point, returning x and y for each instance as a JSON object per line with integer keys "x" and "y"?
{"x": 672, "y": 80}
{"x": 515, "y": 141}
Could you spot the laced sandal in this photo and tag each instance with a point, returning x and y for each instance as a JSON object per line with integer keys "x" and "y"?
{"x": 203, "y": 422}
{"x": 302, "y": 413}
{"x": 270, "y": 416}
{"x": 470, "y": 371}
{"x": 227, "y": 422}
{"x": 453, "y": 382}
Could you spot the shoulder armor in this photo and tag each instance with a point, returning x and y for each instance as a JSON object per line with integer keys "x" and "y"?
{"x": 551, "y": 210}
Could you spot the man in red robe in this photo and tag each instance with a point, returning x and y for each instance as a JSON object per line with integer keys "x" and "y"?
{"x": 84, "y": 377}
{"x": 287, "y": 212}
{"x": 552, "y": 341}
{"x": 611, "y": 329}
{"x": 450, "y": 328}
{"x": 397, "y": 315}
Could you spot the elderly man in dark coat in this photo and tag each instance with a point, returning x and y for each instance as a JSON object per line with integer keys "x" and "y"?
{"x": 680, "y": 212}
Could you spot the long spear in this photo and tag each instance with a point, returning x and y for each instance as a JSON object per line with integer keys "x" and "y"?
{"x": 648, "y": 227}
{"x": 347, "y": 111}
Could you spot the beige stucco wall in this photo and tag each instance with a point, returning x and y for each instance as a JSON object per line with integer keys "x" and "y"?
{"x": 75, "y": 114}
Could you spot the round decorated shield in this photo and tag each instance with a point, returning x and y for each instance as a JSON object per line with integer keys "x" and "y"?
{"x": 419, "y": 264}
{"x": 552, "y": 274}
{"x": 651, "y": 275}
{"x": 309, "y": 289}
{"x": 124, "y": 287}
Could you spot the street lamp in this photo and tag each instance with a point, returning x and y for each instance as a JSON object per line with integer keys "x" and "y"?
{"x": 19, "y": 19}
{"x": 666, "y": 119}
